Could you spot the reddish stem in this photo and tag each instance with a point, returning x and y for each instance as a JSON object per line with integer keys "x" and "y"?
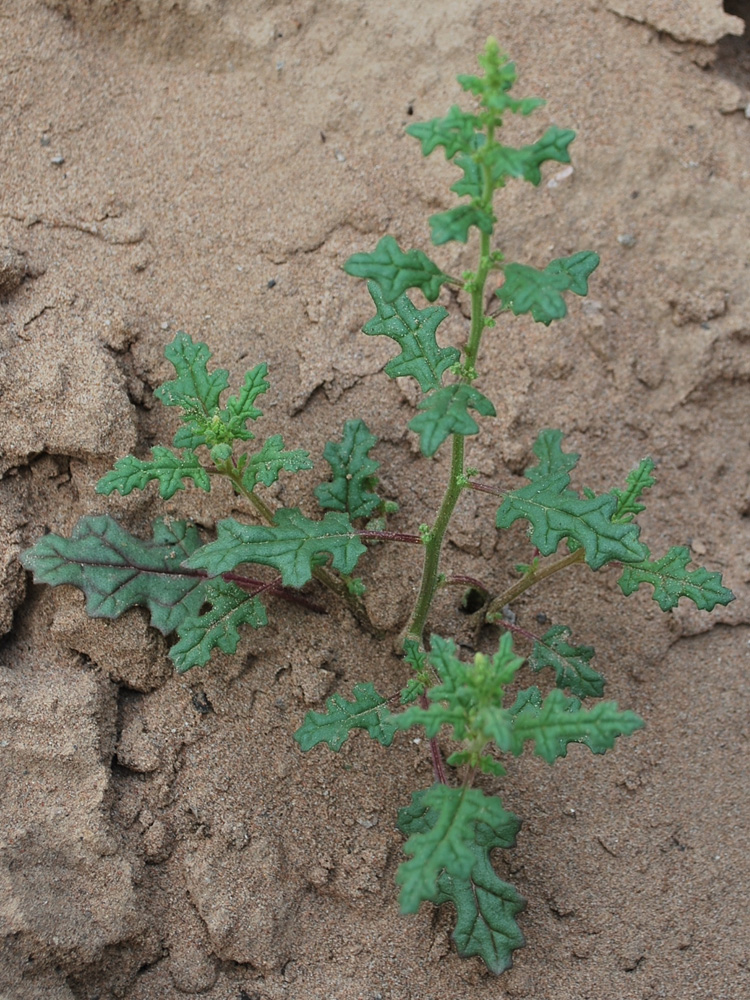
{"x": 438, "y": 767}
{"x": 484, "y": 488}
{"x": 391, "y": 536}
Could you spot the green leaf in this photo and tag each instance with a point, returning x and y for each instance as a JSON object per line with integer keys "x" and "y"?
{"x": 556, "y": 512}
{"x": 194, "y": 390}
{"x": 445, "y": 412}
{"x": 505, "y": 162}
{"x": 240, "y": 409}
{"x": 117, "y": 571}
{"x": 552, "y": 459}
{"x": 492, "y": 89}
{"x": 169, "y": 469}
{"x": 557, "y": 721}
{"x": 265, "y": 465}
{"x": 368, "y": 711}
{"x": 414, "y": 331}
{"x": 486, "y": 906}
{"x": 570, "y": 663}
{"x": 353, "y": 472}
{"x": 540, "y": 292}
{"x": 291, "y": 545}
{"x": 230, "y": 606}
{"x": 455, "y": 133}
{"x": 395, "y": 271}
{"x": 671, "y": 580}
{"x": 445, "y": 842}
{"x": 456, "y": 222}
{"x": 639, "y": 479}
{"x": 470, "y": 695}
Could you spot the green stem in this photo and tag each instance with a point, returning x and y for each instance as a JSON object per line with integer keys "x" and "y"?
{"x": 495, "y": 610}
{"x": 434, "y": 544}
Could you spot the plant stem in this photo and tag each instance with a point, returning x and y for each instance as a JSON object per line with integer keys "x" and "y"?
{"x": 495, "y": 610}
{"x": 434, "y": 543}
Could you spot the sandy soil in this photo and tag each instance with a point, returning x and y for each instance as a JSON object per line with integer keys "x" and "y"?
{"x": 208, "y": 165}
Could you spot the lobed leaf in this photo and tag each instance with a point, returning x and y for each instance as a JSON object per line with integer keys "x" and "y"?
{"x": 195, "y": 390}
{"x": 505, "y": 162}
{"x": 552, "y": 459}
{"x": 456, "y": 222}
{"x": 292, "y": 545}
{"x": 446, "y": 411}
{"x": 265, "y": 465}
{"x": 117, "y": 571}
{"x": 414, "y": 331}
{"x": 571, "y": 664}
{"x": 555, "y": 512}
{"x": 168, "y": 468}
{"x": 671, "y": 580}
{"x": 395, "y": 271}
{"x": 492, "y": 88}
{"x": 455, "y": 133}
{"x": 229, "y": 607}
{"x": 486, "y": 906}
{"x": 639, "y": 479}
{"x": 557, "y": 721}
{"x": 368, "y": 711}
{"x": 540, "y": 292}
{"x": 446, "y": 844}
{"x": 353, "y": 472}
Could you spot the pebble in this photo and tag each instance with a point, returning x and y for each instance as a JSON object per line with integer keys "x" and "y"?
{"x": 626, "y": 240}
{"x": 57, "y": 161}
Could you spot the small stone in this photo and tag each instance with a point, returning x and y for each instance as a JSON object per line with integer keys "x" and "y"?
{"x": 626, "y": 240}
{"x": 12, "y": 270}
{"x": 57, "y": 161}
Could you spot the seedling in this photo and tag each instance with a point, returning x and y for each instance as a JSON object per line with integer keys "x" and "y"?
{"x": 202, "y": 592}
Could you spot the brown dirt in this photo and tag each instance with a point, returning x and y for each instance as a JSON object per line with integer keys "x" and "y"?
{"x": 162, "y": 162}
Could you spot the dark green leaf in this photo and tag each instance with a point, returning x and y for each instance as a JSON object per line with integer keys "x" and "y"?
{"x": 230, "y": 607}
{"x": 368, "y": 711}
{"x": 671, "y": 580}
{"x": 395, "y": 271}
{"x": 571, "y": 664}
{"x": 456, "y": 222}
{"x": 265, "y": 465}
{"x": 169, "y": 469}
{"x": 552, "y": 459}
{"x": 292, "y": 545}
{"x": 540, "y": 292}
{"x": 555, "y": 512}
{"x": 446, "y": 411}
{"x": 559, "y": 720}
{"x": 414, "y": 331}
{"x": 353, "y": 472}
{"x": 486, "y": 907}
{"x": 117, "y": 571}
{"x": 444, "y": 842}
{"x": 194, "y": 390}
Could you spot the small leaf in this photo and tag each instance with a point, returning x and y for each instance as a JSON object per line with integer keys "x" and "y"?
{"x": 552, "y": 459}
{"x": 395, "y": 271}
{"x": 230, "y": 606}
{"x": 559, "y": 720}
{"x": 492, "y": 89}
{"x": 671, "y": 580}
{"x": 353, "y": 472}
{"x": 117, "y": 571}
{"x": 505, "y": 162}
{"x": 445, "y": 412}
{"x": 570, "y": 663}
{"x": 540, "y": 292}
{"x": 265, "y": 465}
{"x": 639, "y": 479}
{"x": 486, "y": 906}
{"x": 444, "y": 844}
{"x": 414, "y": 331}
{"x": 292, "y": 545}
{"x": 194, "y": 389}
{"x": 456, "y": 222}
{"x": 240, "y": 409}
{"x": 168, "y": 468}
{"x": 368, "y": 711}
{"x": 455, "y": 132}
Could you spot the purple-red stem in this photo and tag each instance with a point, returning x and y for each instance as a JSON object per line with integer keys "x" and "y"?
{"x": 391, "y": 536}
{"x": 438, "y": 768}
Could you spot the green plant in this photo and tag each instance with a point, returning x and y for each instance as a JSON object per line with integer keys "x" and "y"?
{"x": 201, "y": 593}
